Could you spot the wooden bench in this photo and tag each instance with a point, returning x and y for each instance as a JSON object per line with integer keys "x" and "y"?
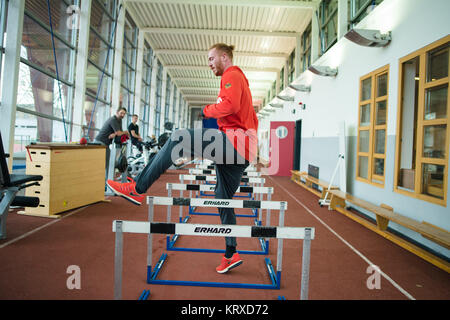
{"x": 297, "y": 177}
{"x": 384, "y": 214}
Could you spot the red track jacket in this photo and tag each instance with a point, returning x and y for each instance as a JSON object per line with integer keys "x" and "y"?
{"x": 234, "y": 112}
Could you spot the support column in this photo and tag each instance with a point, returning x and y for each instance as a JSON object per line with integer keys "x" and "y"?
{"x": 286, "y": 74}
{"x": 138, "y": 82}
{"x": 14, "y": 28}
{"x": 315, "y": 39}
{"x": 298, "y": 54}
{"x": 84, "y": 17}
{"x": 163, "y": 100}
{"x": 118, "y": 54}
{"x": 342, "y": 18}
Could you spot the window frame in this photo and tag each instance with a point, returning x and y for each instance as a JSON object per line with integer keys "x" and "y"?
{"x": 325, "y": 19}
{"x": 420, "y": 160}
{"x": 372, "y": 178}
{"x": 158, "y": 96}
{"x": 306, "y": 45}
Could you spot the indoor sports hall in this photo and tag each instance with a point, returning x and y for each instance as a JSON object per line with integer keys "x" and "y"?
{"x": 339, "y": 111}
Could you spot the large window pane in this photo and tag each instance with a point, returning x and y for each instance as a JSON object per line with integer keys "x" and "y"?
{"x": 98, "y": 52}
{"x": 438, "y": 64}
{"x": 58, "y": 9}
{"x": 365, "y": 115}
{"x": 363, "y": 167}
{"x": 433, "y": 180}
{"x": 93, "y": 79}
{"x": 95, "y": 118}
{"x": 364, "y": 140}
{"x": 436, "y": 103}
{"x": 33, "y": 128}
{"x": 381, "y": 113}
{"x": 40, "y": 93}
{"x": 434, "y": 141}
{"x": 382, "y": 81}
{"x": 101, "y": 20}
{"x": 380, "y": 141}
{"x": 366, "y": 89}
{"x": 38, "y": 49}
{"x": 378, "y": 166}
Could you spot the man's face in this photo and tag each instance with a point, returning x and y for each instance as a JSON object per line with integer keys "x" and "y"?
{"x": 215, "y": 61}
{"x": 134, "y": 119}
{"x": 121, "y": 114}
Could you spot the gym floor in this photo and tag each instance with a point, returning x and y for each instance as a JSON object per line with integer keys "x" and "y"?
{"x": 35, "y": 258}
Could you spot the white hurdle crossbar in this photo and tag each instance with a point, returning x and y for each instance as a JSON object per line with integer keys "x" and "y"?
{"x": 214, "y": 179}
{"x": 150, "y": 227}
{"x": 213, "y": 172}
{"x": 259, "y": 191}
{"x": 212, "y": 167}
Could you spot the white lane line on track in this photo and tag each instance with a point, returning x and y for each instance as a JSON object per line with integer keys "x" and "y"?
{"x": 397, "y": 286}
{"x": 39, "y": 228}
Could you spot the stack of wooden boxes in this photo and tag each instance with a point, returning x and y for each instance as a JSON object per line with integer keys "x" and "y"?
{"x": 73, "y": 176}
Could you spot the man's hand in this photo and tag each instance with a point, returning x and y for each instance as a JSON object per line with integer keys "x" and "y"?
{"x": 202, "y": 115}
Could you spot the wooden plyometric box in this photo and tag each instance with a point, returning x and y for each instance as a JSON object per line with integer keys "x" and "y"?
{"x": 73, "y": 176}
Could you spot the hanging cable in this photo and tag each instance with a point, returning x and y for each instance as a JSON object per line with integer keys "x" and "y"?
{"x": 103, "y": 70}
{"x": 56, "y": 67}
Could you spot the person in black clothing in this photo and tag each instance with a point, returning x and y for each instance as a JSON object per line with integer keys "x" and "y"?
{"x": 133, "y": 129}
{"x": 111, "y": 129}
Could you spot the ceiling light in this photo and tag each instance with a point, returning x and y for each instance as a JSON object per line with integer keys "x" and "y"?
{"x": 368, "y": 38}
{"x": 300, "y": 87}
{"x": 276, "y": 105}
{"x": 285, "y": 98}
{"x": 323, "y": 71}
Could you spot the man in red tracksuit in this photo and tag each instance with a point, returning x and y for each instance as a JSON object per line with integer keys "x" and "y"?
{"x": 232, "y": 147}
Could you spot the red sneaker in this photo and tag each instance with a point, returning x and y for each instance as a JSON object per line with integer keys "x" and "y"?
{"x": 126, "y": 190}
{"x": 230, "y": 263}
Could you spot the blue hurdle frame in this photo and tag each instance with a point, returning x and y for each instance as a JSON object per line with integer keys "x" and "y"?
{"x": 202, "y": 193}
{"x": 170, "y": 243}
{"x": 152, "y": 274}
{"x": 275, "y": 278}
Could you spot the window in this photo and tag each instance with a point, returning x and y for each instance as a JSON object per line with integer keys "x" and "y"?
{"x": 291, "y": 66}
{"x": 174, "y": 104}
{"x": 328, "y": 23}
{"x": 129, "y": 65}
{"x": 156, "y": 124}
{"x": 182, "y": 113}
{"x": 46, "y": 83}
{"x": 372, "y": 124}
{"x": 100, "y": 64}
{"x": 167, "y": 105}
{"x": 146, "y": 88}
{"x": 360, "y": 9}
{"x": 3, "y": 15}
{"x": 274, "y": 90}
{"x": 281, "y": 80}
{"x": 306, "y": 44}
{"x": 422, "y": 145}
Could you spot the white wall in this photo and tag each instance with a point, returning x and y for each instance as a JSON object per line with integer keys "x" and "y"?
{"x": 414, "y": 24}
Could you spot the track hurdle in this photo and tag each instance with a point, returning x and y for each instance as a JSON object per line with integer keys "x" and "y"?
{"x": 207, "y": 179}
{"x": 213, "y": 172}
{"x": 170, "y": 243}
{"x": 259, "y": 191}
{"x": 212, "y": 167}
{"x": 214, "y": 179}
{"x": 150, "y": 227}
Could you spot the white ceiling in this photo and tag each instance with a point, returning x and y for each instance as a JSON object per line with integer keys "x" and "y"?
{"x": 181, "y": 32}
